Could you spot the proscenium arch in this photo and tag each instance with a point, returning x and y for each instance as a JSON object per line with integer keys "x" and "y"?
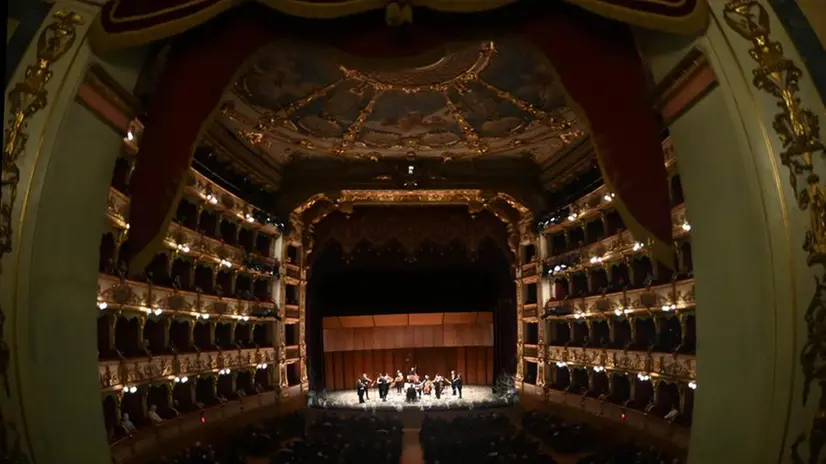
{"x": 516, "y": 217}
{"x": 208, "y": 61}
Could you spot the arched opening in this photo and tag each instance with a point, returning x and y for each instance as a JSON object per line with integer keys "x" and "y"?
{"x": 180, "y": 335}
{"x": 205, "y": 391}
{"x": 107, "y": 254}
{"x": 133, "y": 407}
{"x": 154, "y": 333}
{"x": 182, "y": 273}
{"x": 158, "y": 395}
{"x": 620, "y": 388}
{"x": 126, "y": 336}
{"x": 110, "y": 415}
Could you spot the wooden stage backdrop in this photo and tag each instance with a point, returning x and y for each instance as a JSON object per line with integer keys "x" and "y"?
{"x": 433, "y": 342}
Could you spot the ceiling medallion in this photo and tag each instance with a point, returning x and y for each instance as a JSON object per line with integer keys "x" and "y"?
{"x": 480, "y": 98}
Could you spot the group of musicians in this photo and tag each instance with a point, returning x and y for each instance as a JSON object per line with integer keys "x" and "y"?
{"x": 414, "y": 385}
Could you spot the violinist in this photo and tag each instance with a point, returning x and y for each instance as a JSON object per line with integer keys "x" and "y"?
{"x": 361, "y": 387}
{"x": 399, "y": 382}
{"x": 370, "y": 383}
{"x": 456, "y": 383}
{"x": 383, "y": 381}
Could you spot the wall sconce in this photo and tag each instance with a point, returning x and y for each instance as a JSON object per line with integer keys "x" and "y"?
{"x": 132, "y": 138}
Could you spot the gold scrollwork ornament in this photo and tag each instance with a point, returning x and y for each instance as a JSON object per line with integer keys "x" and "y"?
{"x": 799, "y": 132}
{"x": 25, "y": 99}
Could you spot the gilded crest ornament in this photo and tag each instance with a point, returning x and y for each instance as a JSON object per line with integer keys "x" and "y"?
{"x": 798, "y": 129}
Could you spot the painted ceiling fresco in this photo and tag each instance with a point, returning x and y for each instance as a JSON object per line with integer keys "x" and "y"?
{"x": 475, "y": 99}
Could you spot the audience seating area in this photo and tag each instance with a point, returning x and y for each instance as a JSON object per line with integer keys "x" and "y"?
{"x": 485, "y": 438}
{"x": 579, "y": 439}
{"x": 341, "y": 440}
{"x": 481, "y": 438}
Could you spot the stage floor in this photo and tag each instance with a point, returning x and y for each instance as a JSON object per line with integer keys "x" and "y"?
{"x": 473, "y": 397}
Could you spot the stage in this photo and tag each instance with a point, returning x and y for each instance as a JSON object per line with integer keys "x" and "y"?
{"x": 473, "y": 397}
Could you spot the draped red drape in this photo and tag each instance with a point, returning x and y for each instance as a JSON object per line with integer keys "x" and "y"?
{"x": 595, "y": 59}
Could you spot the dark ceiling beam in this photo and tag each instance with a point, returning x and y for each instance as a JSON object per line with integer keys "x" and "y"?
{"x": 260, "y": 170}
{"x": 566, "y": 166}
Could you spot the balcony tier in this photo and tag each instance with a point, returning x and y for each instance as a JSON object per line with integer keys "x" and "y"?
{"x": 676, "y": 296}
{"x": 672, "y": 366}
{"x": 116, "y": 374}
{"x": 199, "y": 245}
{"x": 119, "y": 293}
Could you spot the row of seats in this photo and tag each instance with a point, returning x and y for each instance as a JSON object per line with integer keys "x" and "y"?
{"x": 567, "y": 438}
{"x": 486, "y": 438}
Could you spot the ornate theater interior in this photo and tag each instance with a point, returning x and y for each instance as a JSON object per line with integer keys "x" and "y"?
{"x": 278, "y": 231}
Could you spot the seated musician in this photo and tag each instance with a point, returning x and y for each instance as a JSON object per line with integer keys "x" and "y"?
{"x": 399, "y": 382}
{"x": 427, "y": 386}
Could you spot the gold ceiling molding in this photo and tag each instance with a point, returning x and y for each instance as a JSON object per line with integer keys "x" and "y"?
{"x": 798, "y": 129}
{"x": 444, "y": 73}
{"x": 456, "y": 78}
{"x": 26, "y": 98}
{"x": 518, "y": 219}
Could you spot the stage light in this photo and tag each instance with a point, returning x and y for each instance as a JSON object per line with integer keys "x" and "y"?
{"x": 102, "y": 305}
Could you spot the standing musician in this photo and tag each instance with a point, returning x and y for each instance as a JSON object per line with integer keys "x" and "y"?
{"x": 383, "y": 381}
{"x": 456, "y": 383}
{"x": 361, "y": 387}
{"x": 370, "y": 383}
{"x": 438, "y": 383}
{"x": 399, "y": 382}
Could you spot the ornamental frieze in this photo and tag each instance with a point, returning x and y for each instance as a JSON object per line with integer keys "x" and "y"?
{"x": 674, "y": 297}
{"x": 667, "y": 365}
{"x": 117, "y": 293}
{"x": 143, "y": 370}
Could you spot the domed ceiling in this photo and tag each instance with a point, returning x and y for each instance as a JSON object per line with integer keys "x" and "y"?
{"x": 471, "y": 99}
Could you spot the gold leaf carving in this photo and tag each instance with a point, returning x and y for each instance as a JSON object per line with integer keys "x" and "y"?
{"x": 798, "y": 129}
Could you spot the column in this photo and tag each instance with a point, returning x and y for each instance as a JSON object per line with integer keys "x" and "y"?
{"x": 166, "y": 327}
{"x": 632, "y": 383}
{"x": 603, "y": 217}
{"x": 211, "y": 325}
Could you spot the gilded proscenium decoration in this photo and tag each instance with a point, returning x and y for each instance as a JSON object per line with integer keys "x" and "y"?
{"x": 513, "y": 214}
{"x": 471, "y": 98}
{"x": 798, "y": 129}
{"x": 25, "y": 99}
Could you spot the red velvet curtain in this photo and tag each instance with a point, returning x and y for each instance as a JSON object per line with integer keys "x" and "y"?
{"x": 595, "y": 59}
